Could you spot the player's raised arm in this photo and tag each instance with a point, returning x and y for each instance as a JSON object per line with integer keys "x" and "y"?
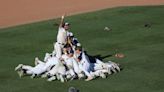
{"x": 62, "y": 20}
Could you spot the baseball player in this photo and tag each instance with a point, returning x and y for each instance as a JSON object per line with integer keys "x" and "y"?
{"x": 69, "y": 60}
{"x": 29, "y": 70}
{"x": 61, "y": 37}
{"x": 83, "y": 61}
{"x": 73, "y": 41}
{"x": 39, "y": 68}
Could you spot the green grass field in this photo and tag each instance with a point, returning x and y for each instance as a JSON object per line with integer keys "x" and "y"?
{"x": 143, "y": 46}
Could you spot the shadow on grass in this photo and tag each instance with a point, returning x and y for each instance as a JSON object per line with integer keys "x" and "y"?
{"x": 92, "y": 58}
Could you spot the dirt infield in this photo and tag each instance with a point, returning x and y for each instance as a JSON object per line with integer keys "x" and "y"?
{"x": 15, "y": 12}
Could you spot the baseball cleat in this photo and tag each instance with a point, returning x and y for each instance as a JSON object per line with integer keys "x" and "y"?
{"x": 18, "y": 67}
{"x": 89, "y": 78}
{"x": 20, "y": 73}
{"x": 52, "y": 78}
{"x": 33, "y": 76}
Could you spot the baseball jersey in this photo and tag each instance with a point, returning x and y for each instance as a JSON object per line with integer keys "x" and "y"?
{"x": 62, "y": 35}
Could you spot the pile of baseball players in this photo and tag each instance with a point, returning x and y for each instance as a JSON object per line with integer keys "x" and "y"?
{"x": 68, "y": 61}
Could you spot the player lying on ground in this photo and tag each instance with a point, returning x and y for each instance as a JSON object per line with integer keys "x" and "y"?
{"x": 55, "y": 69}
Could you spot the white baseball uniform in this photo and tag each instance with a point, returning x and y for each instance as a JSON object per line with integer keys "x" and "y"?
{"x": 61, "y": 41}
{"x": 51, "y": 62}
{"x": 71, "y": 64}
{"x": 38, "y": 69}
{"x": 84, "y": 63}
{"x": 41, "y": 67}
